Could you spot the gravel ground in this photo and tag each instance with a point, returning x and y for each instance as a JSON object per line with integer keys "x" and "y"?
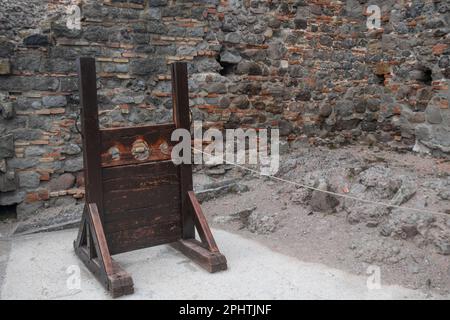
{"x": 411, "y": 248}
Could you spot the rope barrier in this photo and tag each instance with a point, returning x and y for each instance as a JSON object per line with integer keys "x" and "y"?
{"x": 329, "y": 192}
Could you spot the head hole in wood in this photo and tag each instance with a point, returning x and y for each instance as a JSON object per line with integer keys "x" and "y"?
{"x": 140, "y": 150}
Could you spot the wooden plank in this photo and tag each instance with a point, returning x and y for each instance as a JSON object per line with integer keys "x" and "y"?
{"x": 147, "y": 170}
{"x": 211, "y": 261}
{"x": 181, "y": 114}
{"x": 202, "y": 225}
{"x": 164, "y": 209}
{"x": 118, "y": 200}
{"x": 146, "y": 176}
{"x": 120, "y": 282}
{"x": 99, "y": 239}
{"x": 156, "y": 137}
{"x": 95, "y": 255}
{"x": 133, "y": 190}
{"x": 93, "y": 265}
{"x": 81, "y": 239}
{"x": 141, "y": 217}
{"x": 140, "y": 197}
{"x": 90, "y": 246}
{"x": 90, "y": 128}
{"x": 143, "y": 237}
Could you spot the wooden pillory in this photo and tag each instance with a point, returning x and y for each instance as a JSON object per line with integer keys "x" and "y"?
{"x": 137, "y": 201}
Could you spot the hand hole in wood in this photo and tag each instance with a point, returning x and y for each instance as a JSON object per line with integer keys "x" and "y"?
{"x": 114, "y": 152}
{"x": 164, "y": 148}
{"x": 140, "y": 150}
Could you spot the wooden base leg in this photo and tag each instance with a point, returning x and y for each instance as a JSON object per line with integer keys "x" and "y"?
{"x": 193, "y": 249}
{"x": 119, "y": 283}
{"x": 92, "y": 249}
{"x": 205, "y": 253}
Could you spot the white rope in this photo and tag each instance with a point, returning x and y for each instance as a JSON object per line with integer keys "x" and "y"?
{"x": 328, "y": 192}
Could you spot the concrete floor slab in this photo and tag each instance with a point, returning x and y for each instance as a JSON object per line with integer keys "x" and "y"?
{"x": 40, "y": 266}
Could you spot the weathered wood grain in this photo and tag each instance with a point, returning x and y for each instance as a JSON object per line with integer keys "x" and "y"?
{"x": 210, "y": 261}
{"x": 92, "y": 248}
{"x": 156, "y": 137}
{"x": 181, "y": 115}
{"x": 133, "y": 189}
{"x": 202, "y": 225}
{"x": 136, "y": 197}
{"x": 143, "y": 237}
{"x": 91, "y": 132}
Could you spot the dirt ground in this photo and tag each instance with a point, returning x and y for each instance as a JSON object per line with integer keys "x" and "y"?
{"x": 411, "y": 248}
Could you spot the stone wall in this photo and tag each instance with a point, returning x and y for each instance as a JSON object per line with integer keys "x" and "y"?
{"x": 311, "y": 68}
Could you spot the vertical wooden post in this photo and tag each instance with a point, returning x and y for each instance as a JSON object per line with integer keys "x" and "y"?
{"x": 91, "y": 132}
{"x": 181, "y": 117}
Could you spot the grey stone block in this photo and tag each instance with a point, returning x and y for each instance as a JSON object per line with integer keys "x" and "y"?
{"x": 7, "y": 146}
{"x": 8, "y": 182}
{"x": 29, "y": 179}
{"x": 54, "y": 101}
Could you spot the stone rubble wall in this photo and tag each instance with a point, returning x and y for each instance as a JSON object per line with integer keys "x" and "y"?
{"x": 310, "y": 68}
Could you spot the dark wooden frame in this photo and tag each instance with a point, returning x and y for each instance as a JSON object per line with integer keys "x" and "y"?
{"x": 133, "y": 204}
